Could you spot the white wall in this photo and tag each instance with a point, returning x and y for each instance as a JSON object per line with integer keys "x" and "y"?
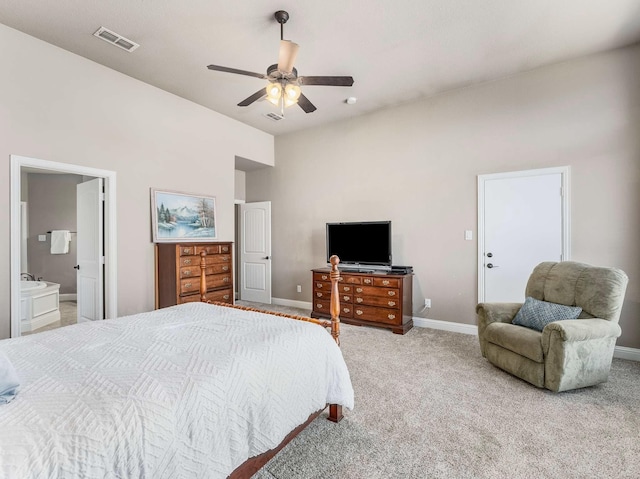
{"x": 417, "y": 164}
{"x": 57, "y": 106}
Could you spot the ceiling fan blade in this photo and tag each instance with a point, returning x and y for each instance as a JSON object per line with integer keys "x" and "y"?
{"x": 305, "y": 104}
{"x": 329, "y": 81}
{"x": 236, "y": 71}
{"x": 255, "y": 97}
{"x": 287, "y": 55}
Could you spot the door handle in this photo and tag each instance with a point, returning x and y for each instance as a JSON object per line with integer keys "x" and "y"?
{"x": 77, "y": 267}
{"x": 489, "y": 255}
{"x": 489, "y": 265}
{"x": 267, "y": 257}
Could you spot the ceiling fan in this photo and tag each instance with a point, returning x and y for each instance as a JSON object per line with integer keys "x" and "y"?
{"x": 284, "y": 84}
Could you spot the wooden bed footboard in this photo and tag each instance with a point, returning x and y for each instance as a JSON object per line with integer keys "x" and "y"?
{"x": 334, "y": 323}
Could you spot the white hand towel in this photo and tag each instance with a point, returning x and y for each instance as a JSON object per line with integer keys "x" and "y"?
{"x": 60, "y": 241}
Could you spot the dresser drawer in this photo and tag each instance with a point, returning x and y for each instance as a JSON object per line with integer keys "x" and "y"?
{"x": 321, "y": 277}
{"x": 322, "y": 294}
{"x": 194, "y": 271}
{"x": 209, "y": 249}
{"x": 374, "y": 291}
{"x": 346, "y": 310}
{"x": 322, "y": 286}
{"x": 218, "y": 280}
{"x": 352, "y": 279}
{"x": 380, "y": 315}
{"x": 382, "y": 301}
{"x": 223, "y": 296}
{"x": 345, "y": 288}
{"x": 189, "y": 285}
{"x": 322, "y": 306}
{"x": 387, "y": 282}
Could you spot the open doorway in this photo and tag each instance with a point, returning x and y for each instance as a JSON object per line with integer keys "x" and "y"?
{"x": 36, "y": 303}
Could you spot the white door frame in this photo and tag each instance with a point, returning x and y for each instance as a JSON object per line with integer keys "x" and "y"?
{"x": 566, "y": 213}
{"x": 110, "y": 230}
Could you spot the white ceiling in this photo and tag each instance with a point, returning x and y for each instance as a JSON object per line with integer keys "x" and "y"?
{"x": 397, "y": 52}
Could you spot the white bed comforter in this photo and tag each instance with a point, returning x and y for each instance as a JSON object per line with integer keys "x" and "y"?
{"x": 187, "y": 391}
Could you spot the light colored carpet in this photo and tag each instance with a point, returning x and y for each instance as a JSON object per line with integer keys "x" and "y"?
{"x": 428, "y": 405}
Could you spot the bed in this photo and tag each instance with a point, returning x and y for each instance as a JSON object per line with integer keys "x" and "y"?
{"x": 195, "y": 390}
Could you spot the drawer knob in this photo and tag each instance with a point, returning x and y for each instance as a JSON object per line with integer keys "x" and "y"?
{"x": 187, "y": 272}
{"x": 319, "y": 306}
{"x": 225, "y": 258}
{"x": 358, "y": 312}
{"x": 358, "y": 290}
{"x": 226, "y": 296}
{"x": 185, "y": 251}
{"x": 346, "y": 289}
{"x": 392, "y": 316}
{"x": 319, "y": 285}
{"x": 319, "y": 294}
{"x": 345, "y": 298}
{"x": 392, "y": 293}
{"x": 187, "y": 285}
{"x": 187, "y": 261}
{"x": 225, "y": 249}
{"x": 324, "y": 277}
{"x": 225, "y": 279}
{"x": 385, "y": 282}
{"x": 225, "y": 268}
{"x": 367, "y": 281}
{"x": 359, "y": 300}
{"x": 391, "y": 303}
{"x": 346, "y": 310}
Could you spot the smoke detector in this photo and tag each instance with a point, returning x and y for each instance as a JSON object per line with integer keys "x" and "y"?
{"x": 115, "y": 39}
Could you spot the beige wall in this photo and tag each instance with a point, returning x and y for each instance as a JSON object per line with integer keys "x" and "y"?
{"x": 52, "y": 206}
{"x": 417, "y": 165}
{"x": 58, "y": 106}
{"x": 240, "y": 188}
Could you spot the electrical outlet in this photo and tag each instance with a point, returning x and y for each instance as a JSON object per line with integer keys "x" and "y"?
{"x": 299, "y": 288}
{"x": 427, "y": 303}
{"x": 468, "y": 235}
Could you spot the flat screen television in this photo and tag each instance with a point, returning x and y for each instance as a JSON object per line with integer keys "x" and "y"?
{"x": 360, "y": 244}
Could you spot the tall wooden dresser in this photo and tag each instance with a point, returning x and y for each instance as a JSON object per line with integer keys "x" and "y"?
{"x": 178, "y": 273}
{"x": 367, "y": 299}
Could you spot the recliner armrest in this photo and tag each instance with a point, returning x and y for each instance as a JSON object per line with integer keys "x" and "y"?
{"x": 496, "y": 312}
{"x": 580, "y": 330}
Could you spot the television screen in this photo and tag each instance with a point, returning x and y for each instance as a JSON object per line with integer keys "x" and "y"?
{"x": 360, "y": 243}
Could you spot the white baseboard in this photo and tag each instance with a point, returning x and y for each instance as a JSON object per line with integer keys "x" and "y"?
{"x": 69, "y": 297}
{"x": 446, "y": 325}
{"x": 620, "y": 352}
{"x": 292, "y": 303}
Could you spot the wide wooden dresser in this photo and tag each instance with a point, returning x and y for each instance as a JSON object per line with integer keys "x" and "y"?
{"x": 178, "y": 273}
{"x": 367, "y": 299}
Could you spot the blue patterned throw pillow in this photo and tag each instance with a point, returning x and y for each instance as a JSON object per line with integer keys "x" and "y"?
{"x": 536, "y": 314}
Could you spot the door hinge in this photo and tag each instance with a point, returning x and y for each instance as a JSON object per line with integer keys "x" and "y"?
{"x": 561, "y": 191}
{"x": 101, "y": 196}
{"x": 101, "y": 259}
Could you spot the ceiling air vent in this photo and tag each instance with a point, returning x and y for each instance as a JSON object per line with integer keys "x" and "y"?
{"x": 274, "y": 116}
{"x": 115, "y": 39}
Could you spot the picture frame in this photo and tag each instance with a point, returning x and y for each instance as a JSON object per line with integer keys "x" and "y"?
{"x": 178, "y": 217}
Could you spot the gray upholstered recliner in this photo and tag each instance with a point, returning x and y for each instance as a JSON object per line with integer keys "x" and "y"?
{"x": 567, "y": 354}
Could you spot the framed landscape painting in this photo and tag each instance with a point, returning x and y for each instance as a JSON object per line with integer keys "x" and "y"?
{"x": 179, "y": 217}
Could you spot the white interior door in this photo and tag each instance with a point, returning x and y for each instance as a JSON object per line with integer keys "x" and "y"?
{"x": 90, "y": 260}
{"x": 255, "y": 252}
{"x": 522, "y": 223}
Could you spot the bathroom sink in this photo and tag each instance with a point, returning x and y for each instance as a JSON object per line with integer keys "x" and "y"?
{"x": 30, "y": 285}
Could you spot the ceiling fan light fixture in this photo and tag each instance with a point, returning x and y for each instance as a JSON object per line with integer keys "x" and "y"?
{"x": 274, "y": 92}
{"x": 292, "y": 92}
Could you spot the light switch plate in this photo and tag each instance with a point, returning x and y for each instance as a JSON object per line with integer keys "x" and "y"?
{"x": 468, "y": 235}
{"x": 42, "y": 237}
